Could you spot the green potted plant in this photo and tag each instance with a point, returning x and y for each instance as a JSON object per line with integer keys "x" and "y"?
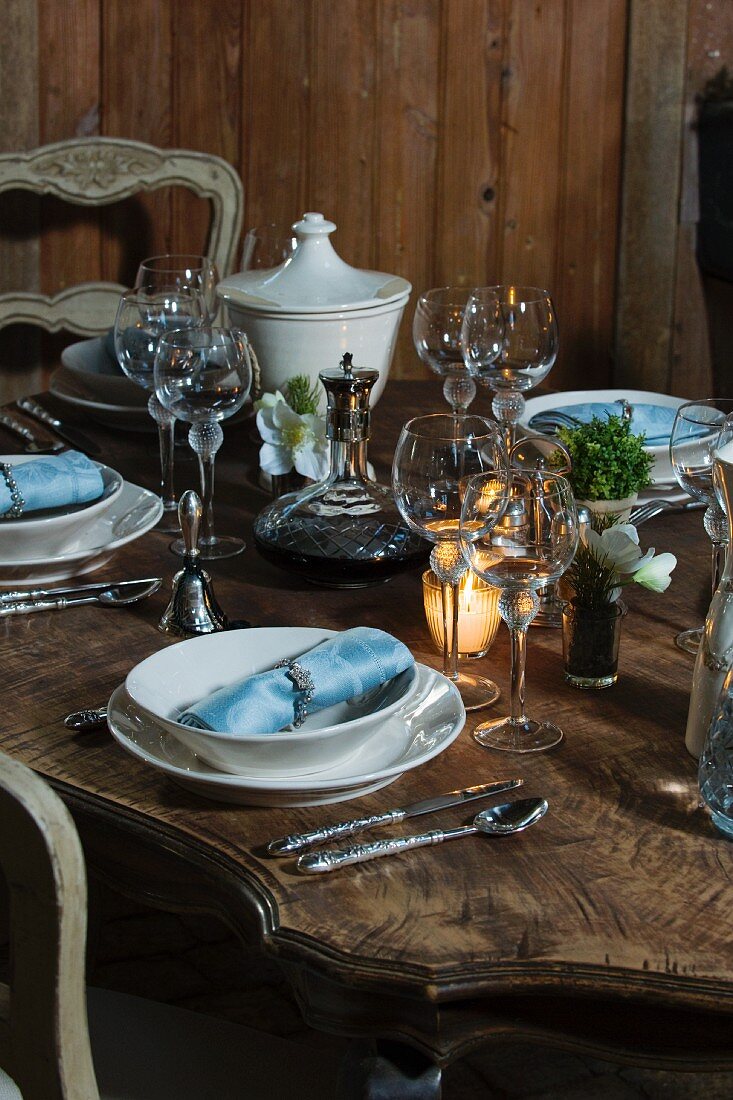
{"x": 609, "y": 465}
{"x": 608, "y": 558}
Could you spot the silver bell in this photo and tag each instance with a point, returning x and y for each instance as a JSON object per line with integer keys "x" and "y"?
{"x": 192, "y": 608}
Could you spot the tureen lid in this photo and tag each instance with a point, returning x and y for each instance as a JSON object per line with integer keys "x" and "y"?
{"x": 314, "y": 279}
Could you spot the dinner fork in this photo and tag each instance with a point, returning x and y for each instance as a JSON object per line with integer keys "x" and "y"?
{"x": 551, "y": 420}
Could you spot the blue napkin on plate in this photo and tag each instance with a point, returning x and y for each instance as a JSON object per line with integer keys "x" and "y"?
{"x": 342, "y": 667}
{"x": 53, "y": 482}
{"x": 655, "y": 421}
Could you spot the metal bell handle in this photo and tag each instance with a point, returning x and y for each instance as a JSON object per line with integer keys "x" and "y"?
{"x": 190, "y": 512}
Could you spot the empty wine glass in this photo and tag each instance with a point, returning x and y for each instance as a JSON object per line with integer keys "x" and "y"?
{"x": 142, "y": 318}
{"x": 509, "y": 340}
{"x": 436, "y": 332}
{"x": 203, "y": 376}
{"x": 532, "y": 545}
{"x": 268, "y": 246}
{"x": 197, "y": 274}
{"x": 434, "y": 458}
{"x": 695, "y": 438}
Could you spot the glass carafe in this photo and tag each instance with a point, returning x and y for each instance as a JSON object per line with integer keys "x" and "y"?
{"x": 344, "y": 531}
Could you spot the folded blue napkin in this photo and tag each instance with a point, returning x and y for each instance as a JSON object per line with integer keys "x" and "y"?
{"x": 342, "y": 667}
{"x": 654, "y": 421}
{"x": 53, "y": 482}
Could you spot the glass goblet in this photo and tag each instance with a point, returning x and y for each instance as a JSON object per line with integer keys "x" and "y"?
{"x": 695, "y": 438}
{"x": 436, "y": 333}
{"x": 195, "y": 274}
{"x": 532, "y": 545}
{"x": 142, "y": 318}
{"x": 268, "y": 246}
{"x": 203, "y": 376}
{"x": 434, "y": 458}
{"x": 510, "y": 341}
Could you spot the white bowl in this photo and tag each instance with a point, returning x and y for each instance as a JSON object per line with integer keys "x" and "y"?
{"x": 49, "y": 531}
{"x": 662, "y": 472}
{"x": 99, "y": 377}
{"x": 175, "y": 678}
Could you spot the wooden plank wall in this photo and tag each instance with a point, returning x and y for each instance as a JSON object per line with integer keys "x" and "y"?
{"x": 466, "y": 141}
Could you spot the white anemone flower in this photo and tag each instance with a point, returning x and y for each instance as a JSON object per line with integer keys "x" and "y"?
{"x": 615, "y": 548}
{"x": 290, "y": 439}
{"x": 654, "y": 572}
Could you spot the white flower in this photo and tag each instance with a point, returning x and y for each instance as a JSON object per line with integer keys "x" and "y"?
{"x": 615, "y": 548}
{"x": 290, "y": 440}
{"x": 654, "y": 572}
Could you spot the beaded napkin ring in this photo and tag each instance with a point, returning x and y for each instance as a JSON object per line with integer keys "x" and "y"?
{"x": 17, "y": 504}
{"x": 303, "y": 682}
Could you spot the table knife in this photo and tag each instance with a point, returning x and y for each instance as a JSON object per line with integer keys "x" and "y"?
{"x": 288, "y": 845}
{"x": 72, "y": 435}
{"x": 21, "y": 595}
{"x": 33, "y": 445}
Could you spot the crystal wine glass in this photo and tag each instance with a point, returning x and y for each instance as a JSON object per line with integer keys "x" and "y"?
{"x": 692, "y": 445}
{"x": 268, "y": 246}
{"x": 197, "y": 274}
{"x": 203, "y": 376}
{"x": 531, "y": 546}
{"x": 142, "y": 318}
{"x": 509, "y": 339}
{"x": 436, "y": 332}
{"x": 435, "y": 456}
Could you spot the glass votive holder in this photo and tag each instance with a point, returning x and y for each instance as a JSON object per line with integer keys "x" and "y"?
{"x": 478, "y": 613}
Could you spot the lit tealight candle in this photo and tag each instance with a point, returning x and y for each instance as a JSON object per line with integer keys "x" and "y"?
{"x": 478, "y": 613}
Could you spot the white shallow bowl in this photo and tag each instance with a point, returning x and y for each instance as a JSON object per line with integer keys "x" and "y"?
{"x": 98, "y": 375}
{"x": 429, "y": 725}
{"x": 49, "y": 531}
{"x": 662, "y": 472}
{"x": 130, "y": 515}
{"x": 170, "y": 681}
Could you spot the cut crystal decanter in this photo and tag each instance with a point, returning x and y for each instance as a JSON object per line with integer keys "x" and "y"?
{"x": 344, "y": 531}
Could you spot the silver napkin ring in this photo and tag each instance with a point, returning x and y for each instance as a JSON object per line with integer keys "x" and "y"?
{"x": 17, "y": 504}
{"x": 302, "y": 682}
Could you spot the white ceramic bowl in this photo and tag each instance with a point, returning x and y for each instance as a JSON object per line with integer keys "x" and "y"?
{"x": 662, "y": 472}
{"x": 98, "y": 376}
{"x": 170, "y": 681}
{"x": 52, "y": 531}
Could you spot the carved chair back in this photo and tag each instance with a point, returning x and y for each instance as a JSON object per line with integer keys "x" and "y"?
{"x": 100, "y": 171}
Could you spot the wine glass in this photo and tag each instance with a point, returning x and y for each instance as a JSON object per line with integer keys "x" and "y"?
{"x": 197, "y": 274}
{"x": 436, "y": 332}
{"x": 268, "y": 246}
{"x": 203, "y": 376}
{"x": 695, "y": 437}
{"x": 509, "y": 339}
{"x": 531, "y": 546}
{"x": 435, "y": 456}
{"x": 141, "y": 320}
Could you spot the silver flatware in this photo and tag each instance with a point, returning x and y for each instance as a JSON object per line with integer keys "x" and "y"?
{"x": 652, "y": 508}
{"x": 551, "y": 420}
{"x": 91, "y": 719}
{"x": 110, "y": 596}
{"x": 21, "y": 595}
{"x": 72, "y": 435}
{"x": 32, "y": 444}
{"x": 503, "y": 820}
{"x": 288, "y": 845}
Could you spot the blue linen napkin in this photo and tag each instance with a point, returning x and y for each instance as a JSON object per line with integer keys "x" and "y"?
{"x": 342, "y": 667}
{"x": 53, "y": 482}
{"x": 655, "y": 421}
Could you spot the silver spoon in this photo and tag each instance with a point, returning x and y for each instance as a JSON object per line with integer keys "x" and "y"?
{"x": 113, "y": 596}
{"x": 503, "y": 820}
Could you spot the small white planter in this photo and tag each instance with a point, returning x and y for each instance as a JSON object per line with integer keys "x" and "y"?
{"x": 621, "y": 508}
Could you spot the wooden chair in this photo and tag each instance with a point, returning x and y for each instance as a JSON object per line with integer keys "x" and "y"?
{"x": 100, "y": 171}
{"x": 139, "y": 1049}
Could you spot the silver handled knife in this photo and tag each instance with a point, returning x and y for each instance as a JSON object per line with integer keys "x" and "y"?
{"x": 289, "y": 845}
{"x": 72, "y": 435}
{"x": 21, "y": 595}
{"x": 33, "y": 445}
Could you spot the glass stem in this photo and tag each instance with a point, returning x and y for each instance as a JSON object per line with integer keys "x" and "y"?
{"x": 445, "y": 594}
{"x": 518, "y": 667}
{"x": 166, "y": 424}
{"x": 517, "y": 607}
{"x": 205, "y": 440}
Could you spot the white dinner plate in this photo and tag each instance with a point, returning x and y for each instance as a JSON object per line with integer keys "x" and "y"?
{"x": 403, "y": 742}
{"x": 662, "y": 473}
{"x": 133, "y": 512}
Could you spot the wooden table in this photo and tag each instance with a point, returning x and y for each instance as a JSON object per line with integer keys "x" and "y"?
{"x": 606, "y": 928}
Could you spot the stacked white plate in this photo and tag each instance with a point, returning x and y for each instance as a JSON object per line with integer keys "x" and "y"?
{"x": 344, "y": 752}
{"x": 90, "y": 380}
{"x": 664, "y": 485}
{"x": 55, "y": 544}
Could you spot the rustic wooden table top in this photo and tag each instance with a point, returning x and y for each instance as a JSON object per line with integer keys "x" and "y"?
{"x": 620, "y": 897}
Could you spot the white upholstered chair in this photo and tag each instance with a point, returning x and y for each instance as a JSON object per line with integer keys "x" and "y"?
{"x": 139, "y": 1050}
{"x": 100, "y": 171}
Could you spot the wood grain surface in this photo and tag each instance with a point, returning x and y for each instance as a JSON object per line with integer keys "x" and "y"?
{"x": 614, "y": 909}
